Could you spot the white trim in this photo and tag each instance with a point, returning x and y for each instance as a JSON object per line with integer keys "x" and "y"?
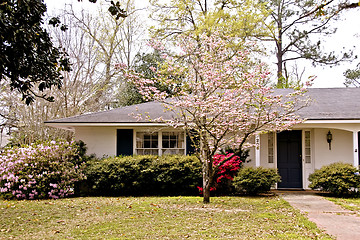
{"x": 307, "y": 168}
{"x": 330, "y": 121}
{"x": 160, "y": 133}
{"x": 71, "y": 126}
{"x": 257, "y": 150}
{"x": 355, "y": 148}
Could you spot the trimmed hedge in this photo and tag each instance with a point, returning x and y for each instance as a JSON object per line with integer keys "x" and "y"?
{"x": 253, "y": 181}
{"x": 142, "y": 175}
{"x": 337, "y": 178}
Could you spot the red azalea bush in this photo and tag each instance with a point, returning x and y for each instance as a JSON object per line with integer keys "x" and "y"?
{"x": 37, "y": 171}
{"x": 227, "y": 166}
{"x": 230, "y": 164}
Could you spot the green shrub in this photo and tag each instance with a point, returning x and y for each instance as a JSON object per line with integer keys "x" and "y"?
{"x": 142, "y": 175}
{"x": 337, "y": 178}
{"x": 253, "y": 181}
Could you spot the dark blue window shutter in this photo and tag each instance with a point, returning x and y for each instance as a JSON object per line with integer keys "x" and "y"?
{"x": 124, "y": 142}
{"x": 190, "y": 148}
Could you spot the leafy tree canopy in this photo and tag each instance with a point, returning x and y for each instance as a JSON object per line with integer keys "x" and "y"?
{"x": 29, "y": 61}
{"x": 28, "y": 58}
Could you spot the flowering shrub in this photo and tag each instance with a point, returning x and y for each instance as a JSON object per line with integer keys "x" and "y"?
{"x": 228, "y": 165}
{"x": 37, "y": 171}
{"x": 227, "y": 169}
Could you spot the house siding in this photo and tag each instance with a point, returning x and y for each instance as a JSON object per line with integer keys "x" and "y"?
{"x": 341, "y": 147}
{"x": 100, "y": 141}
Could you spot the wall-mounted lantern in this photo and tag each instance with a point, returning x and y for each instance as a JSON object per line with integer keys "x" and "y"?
{"x": 329, "y": 139}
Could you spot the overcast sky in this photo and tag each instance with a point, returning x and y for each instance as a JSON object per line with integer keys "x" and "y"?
{"x": 347, "y": 35}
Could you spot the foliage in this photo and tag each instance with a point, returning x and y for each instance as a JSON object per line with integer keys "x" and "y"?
{"x": 294, "y": 27}
{"x": 226, "y": 167}
{"x": 221, "y": 97}
{"x": 94, "y": 41}
{"x": 28, "y": 58}
{"x": 43, "y": 170}
{"x": 352, "y": 77}
{"x": 253, "y": 181}
{"x": 143, "y": 175}
{"x": 337, "y": 178}
{"x": 241, "y": 19}
{"x": 143, "y": 63}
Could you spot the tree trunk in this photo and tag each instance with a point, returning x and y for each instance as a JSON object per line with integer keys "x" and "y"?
{"x": 279, "y": 53}
{"x": 207, "y": 170}
{"x": 206, "y": 181}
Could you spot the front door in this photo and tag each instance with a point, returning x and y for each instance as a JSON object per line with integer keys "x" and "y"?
{"x": 289, "y": 161}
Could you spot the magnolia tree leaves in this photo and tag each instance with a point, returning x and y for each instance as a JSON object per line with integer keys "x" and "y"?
{"x": 28, "y": 59}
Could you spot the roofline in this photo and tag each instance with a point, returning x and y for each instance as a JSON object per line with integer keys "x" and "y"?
{"x": 69, "y": 125}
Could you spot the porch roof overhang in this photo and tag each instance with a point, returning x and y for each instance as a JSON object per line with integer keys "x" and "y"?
{"x": 351, "y": 125}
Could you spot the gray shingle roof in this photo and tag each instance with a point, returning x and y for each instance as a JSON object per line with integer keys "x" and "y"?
{"x": 326, "y": 104}
{"x": 333, "y": 104}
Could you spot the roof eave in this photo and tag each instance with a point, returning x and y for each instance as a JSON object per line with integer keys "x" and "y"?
{"x": 71, "y": 125}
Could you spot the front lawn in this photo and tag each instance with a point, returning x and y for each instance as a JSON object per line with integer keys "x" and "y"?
{"x": 155, "y": 218}
{"x": 352, "y": 204}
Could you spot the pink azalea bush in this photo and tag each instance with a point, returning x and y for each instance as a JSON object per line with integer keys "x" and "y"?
{"x": 38, "y": 171}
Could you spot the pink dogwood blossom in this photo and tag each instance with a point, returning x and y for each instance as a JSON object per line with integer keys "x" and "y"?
{"x": 220, "y": 96}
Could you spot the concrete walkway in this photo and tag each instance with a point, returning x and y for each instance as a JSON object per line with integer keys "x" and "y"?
{"x": 336, "y": 221}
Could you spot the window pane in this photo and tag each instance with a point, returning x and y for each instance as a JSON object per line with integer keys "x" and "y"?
{"x": 147, "y": 143}
{"x": 307, "y": 147}
{"x": 172, "y": 140}
{"x": 270, "y": 148}
{"x": 154, "y": 143}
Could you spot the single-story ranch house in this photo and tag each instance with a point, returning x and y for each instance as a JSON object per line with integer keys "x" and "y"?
{"x": 329, "y": 134}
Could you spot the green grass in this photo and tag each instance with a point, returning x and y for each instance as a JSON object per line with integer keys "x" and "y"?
{"x": 155, "y": 218}
{"x": 352, "y": 204}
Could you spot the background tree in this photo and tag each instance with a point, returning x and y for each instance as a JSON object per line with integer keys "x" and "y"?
{"x": 29, "y": 61}
{"x": 94, "y": 42}
{"x": 219, "y": 99}
{"x": 294, "y": 26}
{"x": 352, "y": 77}
{"x": 243, "y": 19}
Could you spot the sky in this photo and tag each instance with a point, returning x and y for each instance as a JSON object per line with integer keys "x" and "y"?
{"x": 346, "y": 37}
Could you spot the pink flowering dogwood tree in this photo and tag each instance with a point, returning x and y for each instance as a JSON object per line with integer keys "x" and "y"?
{"x": 219, "y": 96}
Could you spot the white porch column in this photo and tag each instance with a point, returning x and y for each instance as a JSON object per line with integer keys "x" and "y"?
{"x": 356, "y": 150}
{"x": 257, "y": 150}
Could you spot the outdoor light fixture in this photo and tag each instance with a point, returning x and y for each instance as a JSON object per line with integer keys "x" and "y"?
{"x": 329, "y": 138}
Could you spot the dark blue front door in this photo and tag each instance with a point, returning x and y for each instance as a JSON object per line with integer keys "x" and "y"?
{"x": 124, "y": 142}
{"x": 289, "y": 160}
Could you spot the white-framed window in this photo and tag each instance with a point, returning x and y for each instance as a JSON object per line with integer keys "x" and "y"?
{"x": 173, "y": 143}
{"x": 159, "y": 143}
{"x": 307, "y": 147}
{"x": 270, "y": 147}
{"x": 147, "y": 143}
